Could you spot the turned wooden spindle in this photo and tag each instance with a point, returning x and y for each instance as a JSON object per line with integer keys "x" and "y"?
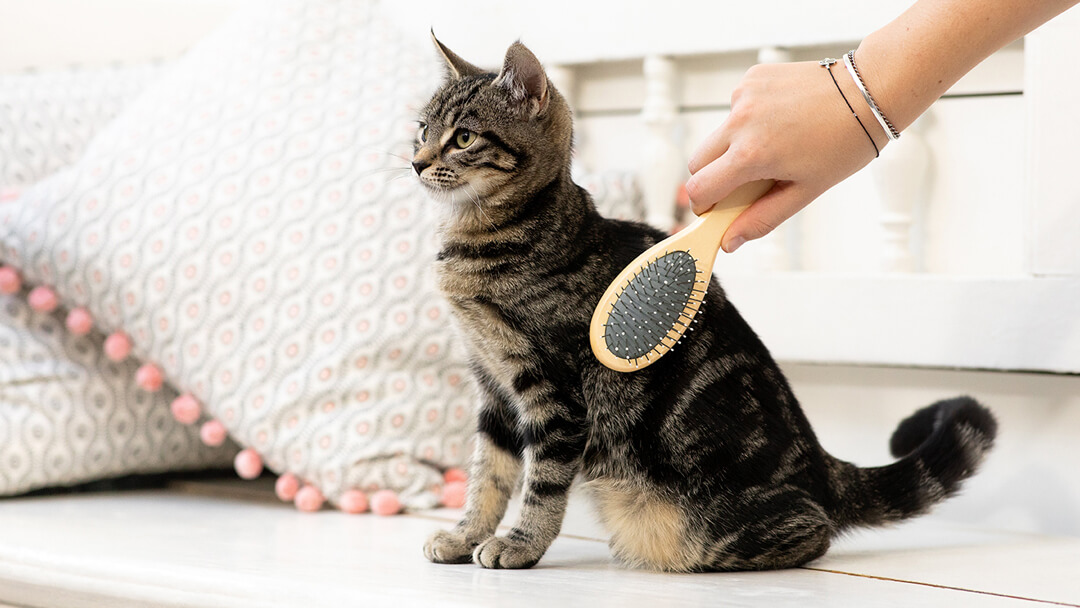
{"x": 901, "y": 178}
{"x": 663, "y": 166}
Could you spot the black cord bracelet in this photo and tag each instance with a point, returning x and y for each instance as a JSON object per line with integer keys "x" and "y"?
{"x": 827, "y": 64}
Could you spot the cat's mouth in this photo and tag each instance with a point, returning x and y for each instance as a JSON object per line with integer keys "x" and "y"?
{"x": 445, "y": 185}
{"x": 459, "y": 193}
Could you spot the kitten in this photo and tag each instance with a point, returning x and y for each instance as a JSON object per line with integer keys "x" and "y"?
{"x": 702, "y": 461}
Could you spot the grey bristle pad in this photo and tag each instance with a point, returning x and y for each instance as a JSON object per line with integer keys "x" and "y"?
{"x": 650, "y": 305}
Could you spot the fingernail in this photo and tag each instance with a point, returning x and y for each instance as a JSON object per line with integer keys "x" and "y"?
{"x": 734, "y": 244}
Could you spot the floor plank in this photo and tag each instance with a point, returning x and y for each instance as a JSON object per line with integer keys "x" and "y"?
{"x": 170, "y": 549}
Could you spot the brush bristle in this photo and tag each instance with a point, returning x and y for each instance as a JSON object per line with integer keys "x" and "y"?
{"x": 649, "y": 312}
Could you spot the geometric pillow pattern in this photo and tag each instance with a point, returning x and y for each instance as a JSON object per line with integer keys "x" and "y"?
{"x": 68, "y": 415}
{"x": 241, "y": 224}
{"x": 48, "y": 118}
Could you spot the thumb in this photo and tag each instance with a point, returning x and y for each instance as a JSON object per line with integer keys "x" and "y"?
{"x": 783, "y": 201}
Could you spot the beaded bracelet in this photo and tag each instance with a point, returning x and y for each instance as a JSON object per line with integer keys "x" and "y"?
{"x": 827, "y": 63}
{"x": 890, "y": 130}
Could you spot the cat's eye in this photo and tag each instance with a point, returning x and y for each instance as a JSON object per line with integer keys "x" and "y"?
{"x": 422, "y": 133}
{"x": 464, "y": 138}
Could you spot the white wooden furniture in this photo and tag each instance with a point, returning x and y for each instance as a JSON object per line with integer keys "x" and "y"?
{"x": 956, "y": 248}
{"x": 181, "y": 549}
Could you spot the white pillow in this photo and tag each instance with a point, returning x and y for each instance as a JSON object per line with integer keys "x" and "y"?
{"x": 47, "y": 118}
{"x": 69, "y": 416}
{"x": 240, "y": 222}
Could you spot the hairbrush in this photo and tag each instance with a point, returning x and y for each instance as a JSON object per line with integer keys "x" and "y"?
{"x": 651, "y": 304}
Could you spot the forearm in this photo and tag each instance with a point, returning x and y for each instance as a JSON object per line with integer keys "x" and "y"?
{"x": 912, "y": 61}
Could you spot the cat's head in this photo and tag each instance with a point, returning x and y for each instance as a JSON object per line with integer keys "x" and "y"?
{"x": 487, "y": 141}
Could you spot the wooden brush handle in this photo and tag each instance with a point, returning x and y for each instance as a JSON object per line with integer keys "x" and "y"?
{"x": 704, "y": 236}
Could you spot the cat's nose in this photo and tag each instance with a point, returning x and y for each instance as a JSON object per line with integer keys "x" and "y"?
{"x": 420, "y": 165}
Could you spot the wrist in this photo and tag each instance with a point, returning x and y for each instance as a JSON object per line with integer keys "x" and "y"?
{"x": 854, "y": 97}
{"x": 881, "y": 78}
{"x": 853, "y": 70}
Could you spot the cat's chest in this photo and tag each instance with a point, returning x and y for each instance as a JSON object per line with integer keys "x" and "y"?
{"x": 497, "y": 331}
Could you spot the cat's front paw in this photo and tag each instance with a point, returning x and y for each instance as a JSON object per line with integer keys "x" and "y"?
{"x": 501, "y": 552}
{"x": 448, "y": 548}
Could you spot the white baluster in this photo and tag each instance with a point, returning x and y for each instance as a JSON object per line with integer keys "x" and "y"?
{"x": 663, "y": 167}
{"x": 901, "y": 179}
{"x": 774, "y": 252}
{"x": 565, "y": 80}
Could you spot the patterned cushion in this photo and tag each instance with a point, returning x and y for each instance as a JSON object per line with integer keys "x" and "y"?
{"x": 240, "y": 221}
{"x": 48, "y": 118}
{"x": 68, "y": 415}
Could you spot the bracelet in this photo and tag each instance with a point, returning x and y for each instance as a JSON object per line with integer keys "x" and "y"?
{"x": 827, "y": 63}
{"x": 890, "y": 130}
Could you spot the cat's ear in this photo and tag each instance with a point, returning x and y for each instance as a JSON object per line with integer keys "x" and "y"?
{"x": 524, "y": 77}
{"x": 456, "y": 67}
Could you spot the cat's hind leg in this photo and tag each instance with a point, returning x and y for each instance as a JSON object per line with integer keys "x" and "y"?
{"x": 648, "y": 528}
{"x": 765, "y": 530}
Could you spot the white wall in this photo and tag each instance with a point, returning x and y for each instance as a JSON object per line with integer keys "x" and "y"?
{"x": 1030, "y": 482}
{"x": 51, "y": 34}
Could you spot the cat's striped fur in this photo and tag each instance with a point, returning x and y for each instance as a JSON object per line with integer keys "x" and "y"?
{"x": 702, "y": 461}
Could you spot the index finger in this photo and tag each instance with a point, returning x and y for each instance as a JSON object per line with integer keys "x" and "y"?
{"x": 709, "y": 150}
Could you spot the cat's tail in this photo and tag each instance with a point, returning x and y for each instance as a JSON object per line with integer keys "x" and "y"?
{"x": 938, "y": 446}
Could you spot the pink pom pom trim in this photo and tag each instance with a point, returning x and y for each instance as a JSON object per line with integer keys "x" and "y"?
{"x": 248, "y": 464}
{"x": 79, "y": 321}
{"x": 452, "y": 475}
{"x": 353, "y": 501}
{"x": 43, "y": 299}
{"x": 385, "y": 502}
{"x": 149, "y": 378}
{"x": 186, "y": 409}
{"x": 212, "y": 433}
{"x": 309, "y": 499}
{"x": 286, "y": 487}
{"x": 453, "y": 495}
{"x": 10, "y": 281}
{"x": 117, "y": 346}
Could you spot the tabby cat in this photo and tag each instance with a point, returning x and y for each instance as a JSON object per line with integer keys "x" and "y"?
{"x": 703, "y": 461}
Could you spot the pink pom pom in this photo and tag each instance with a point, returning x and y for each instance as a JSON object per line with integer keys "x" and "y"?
{"x": 385, "y": 502}
{"x": 286, "y": 487}
{"x": 212, "y": 433}
{"x": 309, "y": 499}
{"x": 10, "y": 281}
{"x": 43, "y": 299}
{"x": 453, "y": 494}
{"x": 117, "y": 346}
{"x": 248, "y": 464}
{"x": 186, "y": 409}
{"x": 149, "y": 377}
{"x": 353, "y": 501}
{"x": 452, "y": 475}
{"x": 79, "y": 321}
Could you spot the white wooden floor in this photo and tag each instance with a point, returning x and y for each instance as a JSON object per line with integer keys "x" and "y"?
{"x": 189, "y": 546}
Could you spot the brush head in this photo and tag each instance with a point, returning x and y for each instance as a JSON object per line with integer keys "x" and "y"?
{"x": 655, "y": 308}
{"x": 650, "y": 304}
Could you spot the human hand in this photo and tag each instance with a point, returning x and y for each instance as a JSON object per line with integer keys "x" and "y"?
{"x": 787, "y": 123}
